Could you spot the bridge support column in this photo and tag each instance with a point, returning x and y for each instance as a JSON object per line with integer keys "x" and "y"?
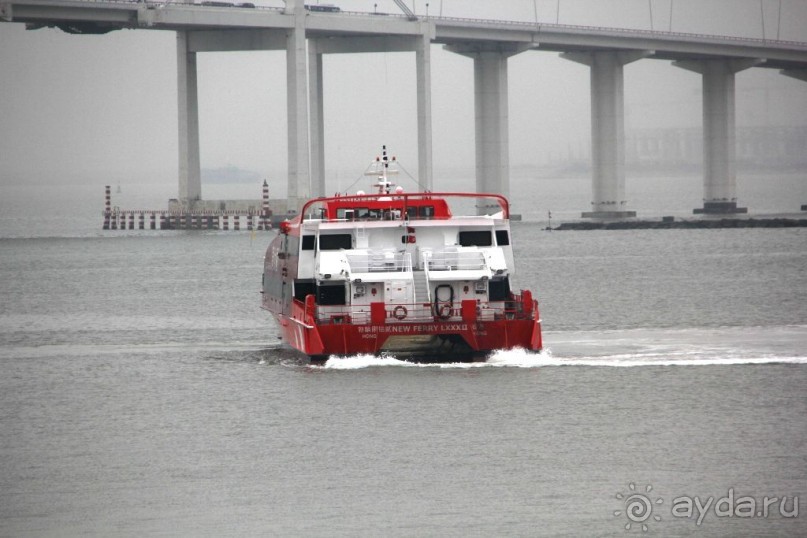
{"x": 421, "y": 44}
{"x": 798, "y": 74}
{"x": 607, "y": 130}
{"x": 491, "y": 115}
{"x": 423, "y": 67}
{"x": 316, "y": 110}
{"x": 190, "y": 183}
{"x": 719, "y": 144}
{"x": 299, "y": 180}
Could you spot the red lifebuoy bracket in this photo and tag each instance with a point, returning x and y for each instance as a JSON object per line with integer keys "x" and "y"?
{"x": 400, "y": 312}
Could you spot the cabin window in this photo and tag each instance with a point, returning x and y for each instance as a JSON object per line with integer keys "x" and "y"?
{"x": 426, "y": 211}
{"x": 304, "y": 287}
{"x": 362, "y": 212}
{"x": 308, "y": 242}
{"x": 335, "y": 242}
{"x": 502, "y": 237}
{"x": 476, "y": 239}
{"x": 345, "y": 213}
{"x": 331, "y": 294}
{"x": 499, "y": 289}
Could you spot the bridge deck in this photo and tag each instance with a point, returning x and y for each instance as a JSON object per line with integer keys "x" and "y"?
{"x": 106, "y": 15}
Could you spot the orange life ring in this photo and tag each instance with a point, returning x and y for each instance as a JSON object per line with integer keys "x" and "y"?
{"x": 400, "y": 312}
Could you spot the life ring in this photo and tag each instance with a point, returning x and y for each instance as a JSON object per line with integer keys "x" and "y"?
{"x": 400, "y": 312}
{"x": 444, "y": 311}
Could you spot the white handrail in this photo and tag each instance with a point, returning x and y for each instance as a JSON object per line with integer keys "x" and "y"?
{"x": 426, "y": 255}
{"x": 457, "y": 260}
{"x": 379, "y": 261}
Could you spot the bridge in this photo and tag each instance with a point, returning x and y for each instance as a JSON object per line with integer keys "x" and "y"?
{"x": 308, "y": 34}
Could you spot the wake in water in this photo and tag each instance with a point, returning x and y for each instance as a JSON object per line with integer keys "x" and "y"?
{"x": 515, "y": 358}
{"x": 642, "y": 347}
{"x": 519, "y": 358}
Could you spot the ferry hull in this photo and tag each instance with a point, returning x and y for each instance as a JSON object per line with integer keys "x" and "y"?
{"x": 438, "y": 341}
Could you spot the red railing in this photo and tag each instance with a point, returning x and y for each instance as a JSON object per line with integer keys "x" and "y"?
{"x": 519, "y": 306}
{"x": 396, "y": 199}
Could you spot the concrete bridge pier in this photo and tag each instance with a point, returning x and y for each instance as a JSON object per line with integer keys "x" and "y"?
{"x": 798, "y": 74}
{"x": 189, "y": 44}
{"x": 299, "y": 179}
{"x": 423, "y": 68}
{"x": 420, "y": 43}
{"x": 316, "y": 109}
{"x": 192, "y": 42}
{"x": 719, "y": 144}
{"x": 491, "y": 114}
{"x": 607, "y": 130}
{"x": 491, "y": 121}
{"x": 190, "y": 182}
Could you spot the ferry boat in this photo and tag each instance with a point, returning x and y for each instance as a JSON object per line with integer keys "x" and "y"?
{"x": 398, "y": 273}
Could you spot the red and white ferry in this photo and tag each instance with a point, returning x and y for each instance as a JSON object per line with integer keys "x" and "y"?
{"x": 399, "y": 273}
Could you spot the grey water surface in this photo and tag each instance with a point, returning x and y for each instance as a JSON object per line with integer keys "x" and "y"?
{"x": 143, "y": 392}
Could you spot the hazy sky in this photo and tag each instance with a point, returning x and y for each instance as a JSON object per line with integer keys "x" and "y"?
{"x": 103, "y": 108}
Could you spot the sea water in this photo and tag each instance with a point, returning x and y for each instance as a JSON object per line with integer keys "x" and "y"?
{"x": 143, "y": 391}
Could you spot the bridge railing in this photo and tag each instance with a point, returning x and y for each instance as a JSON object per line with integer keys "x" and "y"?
{"x": 537, "y": 27}
{"x": 623, "y": 31}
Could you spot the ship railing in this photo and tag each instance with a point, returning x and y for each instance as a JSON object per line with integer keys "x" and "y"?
{"x": 343, "y": 315}
{"x": 376, "y": 261}
{"x": 361, "y": 314}
{"x": 455, "y": 260}
{"x": 516, "y": 307}
{"x": 399, "y": 201}
{"x": 425, "y": 257}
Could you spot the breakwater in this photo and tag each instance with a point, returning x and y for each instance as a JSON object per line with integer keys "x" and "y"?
{"x": 669, "y": 223}
{"x": 246, "y": 216}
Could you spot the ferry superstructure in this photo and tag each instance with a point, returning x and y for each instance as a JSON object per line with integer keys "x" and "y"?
{"x": 401, "y": 273}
